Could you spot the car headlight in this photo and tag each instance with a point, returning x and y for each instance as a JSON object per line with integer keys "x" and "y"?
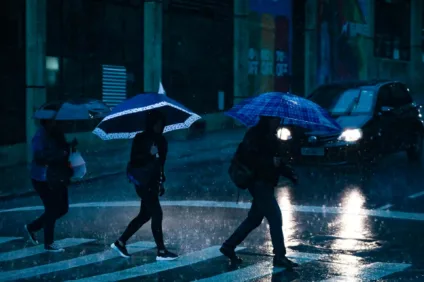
{"x": 284, "y": 134}
{"x": 351, "y": 135}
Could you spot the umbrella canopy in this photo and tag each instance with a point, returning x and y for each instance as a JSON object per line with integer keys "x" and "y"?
{"x": 78, "y": 109}
{"x": 129, "y": 118}
{"x": 292, "y": 109}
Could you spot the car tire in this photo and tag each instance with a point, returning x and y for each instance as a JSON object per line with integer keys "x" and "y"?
{"x": 415, "y": 152}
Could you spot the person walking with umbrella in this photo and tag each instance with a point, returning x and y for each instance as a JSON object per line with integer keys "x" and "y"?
{"x": 257, "y": 163}
{"x": 50, "y": 176}
{"x": 146, "y": 117}
{"x": 146, "y": 171}
{"x": 51, "y": 170}
{"x": 259, "y": 151}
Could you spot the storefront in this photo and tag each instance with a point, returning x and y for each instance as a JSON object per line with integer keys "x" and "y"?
{"x": 270, "y": 46}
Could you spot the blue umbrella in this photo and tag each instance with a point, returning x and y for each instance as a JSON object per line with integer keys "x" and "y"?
{"x": 292, "y": 109}
{"x": 129, "y": 118}
{"x": 71, "y": 110}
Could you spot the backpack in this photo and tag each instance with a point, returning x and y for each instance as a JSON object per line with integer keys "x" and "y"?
{"x": 239, "y": 173}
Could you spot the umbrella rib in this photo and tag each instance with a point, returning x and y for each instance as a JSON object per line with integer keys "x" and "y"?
{"x": 150, "y": 107}
{"x": 125, "y": 135}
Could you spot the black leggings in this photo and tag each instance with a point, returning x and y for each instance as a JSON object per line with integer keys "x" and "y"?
{"x": 149, "y": 209}
{"x": 56, "y": 205}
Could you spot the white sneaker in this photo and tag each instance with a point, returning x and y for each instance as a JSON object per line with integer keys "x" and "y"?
{"x": 53, "y": 248}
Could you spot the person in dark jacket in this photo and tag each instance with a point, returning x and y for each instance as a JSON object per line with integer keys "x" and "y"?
{"x": 260, "y": 152}
{"x": 148, "y": 152}
{"x": 50, "y": 175}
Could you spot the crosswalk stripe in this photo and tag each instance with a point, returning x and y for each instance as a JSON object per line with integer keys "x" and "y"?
{"x": 72, "y": 263}
{"x": 159, "y": 266}
{"x": 26, "y": 252}
{"x": 259, "y": 270}
{"x": 245, "y": 274}
{"x": 8, "y": 239}
{"x": 373, "y": 271}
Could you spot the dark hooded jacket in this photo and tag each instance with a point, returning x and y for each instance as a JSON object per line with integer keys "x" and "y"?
{"x": 49, "y": 147}
{"x": 142, "y": 143}
{"x": 258, "y": 149}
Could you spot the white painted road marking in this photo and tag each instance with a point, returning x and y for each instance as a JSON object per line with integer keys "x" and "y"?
{"x": 71, "y": 263}
{"x": 371, "y": 272}
{"x": 416, "y": 195}
{"x": 245, "y": 274}
{"x": 259, "y": 270}
{"x": 363, "y": 272}
{"x": 159, "y": 266}
{"x": 8, "y": 239}
{"x": 26, "y": 252}
{"x": 385, "y": 207}
{"x": 215, "y": 204}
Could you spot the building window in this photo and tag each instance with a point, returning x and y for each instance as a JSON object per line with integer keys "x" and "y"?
{"x": 114, "y": 85}
{"x": 392, "y": 29}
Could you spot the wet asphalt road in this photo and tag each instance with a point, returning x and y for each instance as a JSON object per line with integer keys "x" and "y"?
{"x": 340, "y": 224}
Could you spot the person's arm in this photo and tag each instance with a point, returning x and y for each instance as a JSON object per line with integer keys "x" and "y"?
{"x": 43, "y": 154}
{"x": 163, "y": 153}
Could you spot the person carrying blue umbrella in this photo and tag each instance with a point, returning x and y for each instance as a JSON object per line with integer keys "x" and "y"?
{"x": 146, "y": 171}
{"x": 257, "y": 164}
{"x": 145, "y": 118}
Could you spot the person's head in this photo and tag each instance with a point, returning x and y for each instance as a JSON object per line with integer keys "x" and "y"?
{"x": 270, "y": 124}
{"x": 48, "y": 124}
{"x": 155, "y": 121}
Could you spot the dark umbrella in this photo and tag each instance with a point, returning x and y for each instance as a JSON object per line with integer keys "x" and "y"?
{"x": 129, "y": 118}
{"x": 76, "y": 109}
{"x": 292, "y": 109}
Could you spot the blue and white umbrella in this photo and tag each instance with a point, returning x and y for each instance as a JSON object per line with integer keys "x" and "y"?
{"x": 129, "y": 118}
{"x": 293, "y": 109}
{"x": 72, "y": 110}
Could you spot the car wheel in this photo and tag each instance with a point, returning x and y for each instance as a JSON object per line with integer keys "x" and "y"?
{"x": 415, "y": 152}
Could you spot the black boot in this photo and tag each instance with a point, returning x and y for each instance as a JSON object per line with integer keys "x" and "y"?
{"x": 284, "y": 262}
{"x": 231, "y": 254}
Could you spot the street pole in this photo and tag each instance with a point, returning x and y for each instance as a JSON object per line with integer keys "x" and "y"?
{"x": 153, "y": 12}
{"x": 416, "y": 60}
{"x": 35, "y": 14}
{"x": 311, "y": 50}
{"x": 241, "y": 49}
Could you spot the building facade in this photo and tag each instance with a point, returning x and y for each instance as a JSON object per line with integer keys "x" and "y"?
{"x": 364, "y": 39}
{"x": 207, "y": 54}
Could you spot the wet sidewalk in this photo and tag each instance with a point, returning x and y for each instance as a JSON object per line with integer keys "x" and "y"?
{"x": 216, "y": 146}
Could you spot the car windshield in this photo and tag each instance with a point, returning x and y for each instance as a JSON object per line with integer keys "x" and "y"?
{"x": 342, "y": 101}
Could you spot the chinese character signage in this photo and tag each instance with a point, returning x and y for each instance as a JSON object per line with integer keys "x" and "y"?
{"x": 342, "y": 26}
{"x": 269, "y": 46}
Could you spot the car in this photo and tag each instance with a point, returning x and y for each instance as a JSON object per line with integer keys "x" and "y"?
{"x": 377, "y": 118}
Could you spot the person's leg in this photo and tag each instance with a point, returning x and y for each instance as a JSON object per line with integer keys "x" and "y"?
{"x": 157, "y": 217}
{"x": 62, "y": 199}
{"x": 270, "y": 208}
{"x": 253, "y": 220}
{"x": 42, "y": 189}
{"x": 135, "y": 224}
{"x": 59, "y": 207}
{"x": 48, "y": 218}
